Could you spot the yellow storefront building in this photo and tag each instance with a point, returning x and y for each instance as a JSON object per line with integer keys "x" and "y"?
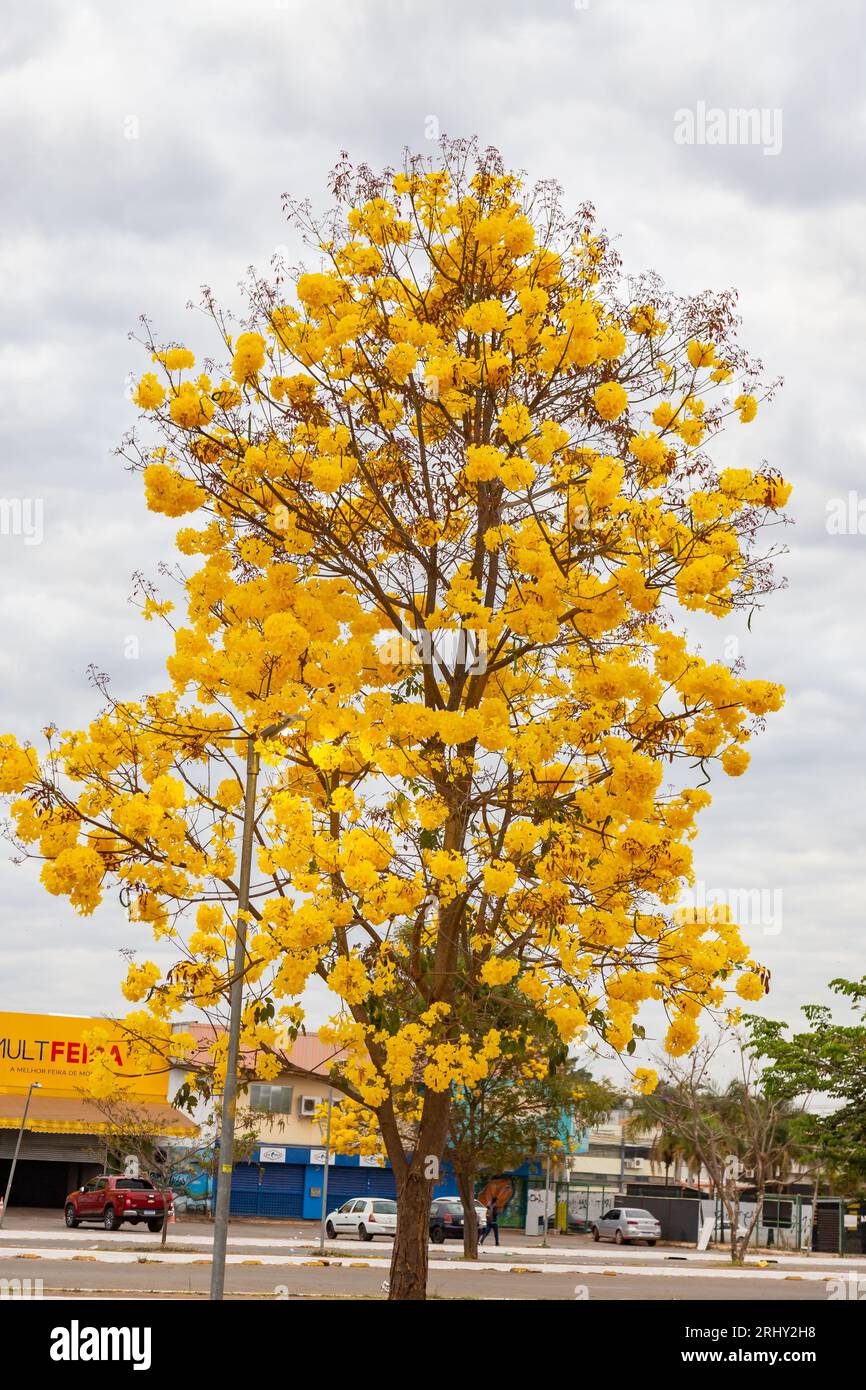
{"x": 44, "y": 1067}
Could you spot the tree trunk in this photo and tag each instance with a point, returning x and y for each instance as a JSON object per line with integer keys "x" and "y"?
{"x": 466, "y": 1186}
{"x": 415, "y": 1182}
{"x": 409, "y": 1257}
{"x": 738, "y": 1245}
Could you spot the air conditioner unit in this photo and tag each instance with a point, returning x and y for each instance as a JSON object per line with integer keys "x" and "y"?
{"x": 633, "y": 1164}
{"x": 307, "y": 1107}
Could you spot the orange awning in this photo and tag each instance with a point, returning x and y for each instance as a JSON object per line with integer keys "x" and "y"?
{"x": 71, "y": 1115}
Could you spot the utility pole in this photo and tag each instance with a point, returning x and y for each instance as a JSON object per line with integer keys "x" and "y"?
{"x": 34, "y": 1086}
{"x": 325, "y": 1178}
{"x": 627, "y": 1105}
{"x": 546, "y": 1198}
{"x": 230, "y": 1090}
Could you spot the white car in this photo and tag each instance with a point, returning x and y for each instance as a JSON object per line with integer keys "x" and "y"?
{"x": 364, "y": 1217}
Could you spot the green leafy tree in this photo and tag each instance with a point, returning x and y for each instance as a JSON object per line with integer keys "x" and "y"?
{"x": 826, "y": 1059}
{"x": 668, "y": 1148}
{"x": 533, "y": 1098}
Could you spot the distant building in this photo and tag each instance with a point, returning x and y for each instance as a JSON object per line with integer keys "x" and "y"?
{"x": 65, "y": 1137}
{"x": 612, "y": 1156}
{"x": 286, "y": 1107}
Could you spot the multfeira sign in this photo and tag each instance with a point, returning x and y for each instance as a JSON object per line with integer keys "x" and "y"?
{"x": 52, "y": 1049}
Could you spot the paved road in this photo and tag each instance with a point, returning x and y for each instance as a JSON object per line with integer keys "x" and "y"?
{"x": 34, "y": 1226}
{"x": 265, "y": 1256}
{"x": 68, "y": 1277}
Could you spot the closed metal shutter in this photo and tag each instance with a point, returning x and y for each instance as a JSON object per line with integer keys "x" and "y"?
{"x": 828, "y": 1233}
{"x": 281, "y": 1192}
{"x": 344, "y": 1183}
{"x": 268, "y": 1189}
{"x": 54, "y": 1148}
{"x": 380, "y": 1182}
{"x": 245, "y": 1189}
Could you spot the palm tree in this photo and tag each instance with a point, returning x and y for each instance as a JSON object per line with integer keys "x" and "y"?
{"x": 668, "y": 1148}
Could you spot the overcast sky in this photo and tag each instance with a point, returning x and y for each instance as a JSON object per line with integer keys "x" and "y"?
{"x": 144, "y": 150}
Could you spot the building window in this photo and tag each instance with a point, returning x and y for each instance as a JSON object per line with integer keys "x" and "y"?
{"x": 581, "y": 1179}
{"x": 276, "y": 1100}
{"x": 615, "y": 1150}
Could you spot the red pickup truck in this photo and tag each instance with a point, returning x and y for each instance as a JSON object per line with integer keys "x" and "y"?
{"x": 111, "y": 1201}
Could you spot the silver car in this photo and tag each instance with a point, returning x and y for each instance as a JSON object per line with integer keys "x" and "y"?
{"x": 623, "y": 1224}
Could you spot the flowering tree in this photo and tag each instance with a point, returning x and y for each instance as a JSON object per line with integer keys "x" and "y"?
{"x": 450, "y": 492}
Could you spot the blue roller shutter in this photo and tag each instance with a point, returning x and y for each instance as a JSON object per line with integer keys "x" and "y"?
{"x": 344, "y": 1183}
{"x": 380, "y": 1182}
{"x": 245, "y": 1188}
{"x": 268, "y": 1189}
{"x": 281, "y": 1192}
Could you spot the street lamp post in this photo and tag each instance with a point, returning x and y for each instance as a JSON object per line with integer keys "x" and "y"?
{"x": 325, "y": 1178}
{"x": 546, "y": 1198}
{"x": 34, "y": 1086}
{"x": 623, "y": 1123}
{"x": 230, "y": 1089}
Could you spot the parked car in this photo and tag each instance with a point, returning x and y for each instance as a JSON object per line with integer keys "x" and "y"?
{"x": 446, "y": 1218}
{"x": 623, "y": 1224}
{"x": 364, "y": 1217}
{"x": 113, "y": 1200}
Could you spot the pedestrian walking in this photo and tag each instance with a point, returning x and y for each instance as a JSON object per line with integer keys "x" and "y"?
{"x": 492, "y": 1222}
